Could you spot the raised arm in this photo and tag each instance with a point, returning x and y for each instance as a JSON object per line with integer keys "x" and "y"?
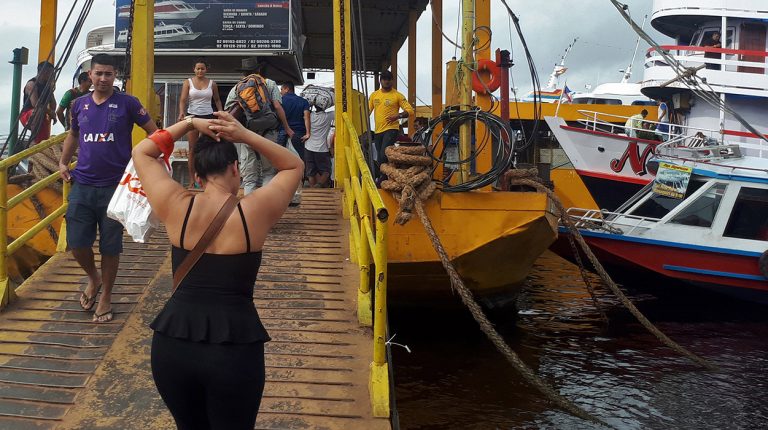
{"x": 307, "y": 125}
{"x": 162, "y": 191}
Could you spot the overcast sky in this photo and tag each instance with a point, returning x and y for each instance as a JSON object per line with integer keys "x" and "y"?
{"x": 604, "y": 47}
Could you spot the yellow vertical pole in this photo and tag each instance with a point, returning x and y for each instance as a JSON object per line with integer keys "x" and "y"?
{"x": 47, "y": 31}
{"x": 142, "y": 81}
{"x": 379, "y": 382}
{"x": 465, "y": 87}
{"x": 393, "y": 65}
{"x": 437, "y": 71}
{"x": 483, "y": 18}
{"x": 437, "y": 58}
{"x": 6, "y": 292}
{"x": 340, "y": 58}
{"x": 61, "y": 245}
{"x": 412, "y": 18}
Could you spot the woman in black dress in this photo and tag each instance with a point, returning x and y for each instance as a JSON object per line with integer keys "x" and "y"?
{"x": 208, "y": 347}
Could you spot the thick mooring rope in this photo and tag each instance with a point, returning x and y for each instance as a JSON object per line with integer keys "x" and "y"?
{"x": 45, "y": 163}
{"x": 411, "y": 189}
{"x": 514, "y": 178}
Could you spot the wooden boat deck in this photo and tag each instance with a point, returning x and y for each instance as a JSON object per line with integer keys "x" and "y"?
{"x": 60, "y": 370}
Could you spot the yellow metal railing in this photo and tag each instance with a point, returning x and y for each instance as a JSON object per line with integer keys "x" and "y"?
{"x": 7, "y": 293}
{"x": 368, "y": 244}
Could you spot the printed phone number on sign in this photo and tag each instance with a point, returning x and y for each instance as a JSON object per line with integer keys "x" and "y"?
{"x": 238, "y": 44}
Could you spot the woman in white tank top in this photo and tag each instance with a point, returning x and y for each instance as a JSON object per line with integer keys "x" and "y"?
{"x": 197, "y": 93}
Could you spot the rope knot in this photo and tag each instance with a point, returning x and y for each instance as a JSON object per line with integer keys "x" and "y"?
{"x": 409, "y": 177}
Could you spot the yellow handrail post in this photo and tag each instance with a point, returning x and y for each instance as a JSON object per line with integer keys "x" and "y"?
{"x": 6, "y": 292}
{"x": 379, "y": 383}
{"x": 364, "y": 299}
{"x": 61, "y": 246}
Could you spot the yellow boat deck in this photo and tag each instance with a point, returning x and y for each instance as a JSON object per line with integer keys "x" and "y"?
{"x": 60, "y": 370}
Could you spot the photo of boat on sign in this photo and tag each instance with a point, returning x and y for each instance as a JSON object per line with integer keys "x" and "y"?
{"x": 205, "y": 25}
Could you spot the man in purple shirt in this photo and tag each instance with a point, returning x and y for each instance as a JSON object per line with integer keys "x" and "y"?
{"x": 101, "y": 126}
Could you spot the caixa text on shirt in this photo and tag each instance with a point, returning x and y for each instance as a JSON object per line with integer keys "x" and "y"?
{"x": 98, "y": 137}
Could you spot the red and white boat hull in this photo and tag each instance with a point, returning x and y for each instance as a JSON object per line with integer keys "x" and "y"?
{"x": 612, "y": 166}
{"x": 729, "y": 271}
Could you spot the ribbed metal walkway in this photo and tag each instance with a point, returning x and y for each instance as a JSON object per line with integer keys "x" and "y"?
{"x": 59, "y": 370}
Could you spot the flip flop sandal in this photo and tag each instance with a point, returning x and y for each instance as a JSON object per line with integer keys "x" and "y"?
{"x": 89, "y": 301}
{"x": 108, "y": 316}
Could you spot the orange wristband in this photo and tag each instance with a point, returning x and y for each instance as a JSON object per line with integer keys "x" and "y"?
{"x": 163, "y": 140}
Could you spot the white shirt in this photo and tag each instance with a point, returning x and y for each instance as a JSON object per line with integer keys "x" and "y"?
{"x": 320, "y": 125}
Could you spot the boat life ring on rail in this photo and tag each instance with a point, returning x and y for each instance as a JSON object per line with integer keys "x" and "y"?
{"x": 492, "y": 68}
{"x": 762, "y": 264}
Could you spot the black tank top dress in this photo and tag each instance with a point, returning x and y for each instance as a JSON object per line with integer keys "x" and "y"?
{"x": 208, "y": 347}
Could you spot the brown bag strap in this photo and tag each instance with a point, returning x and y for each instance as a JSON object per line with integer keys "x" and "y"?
{"x": 213, "y": 230}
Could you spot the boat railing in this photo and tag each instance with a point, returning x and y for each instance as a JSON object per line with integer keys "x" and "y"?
{"x": 719, "y": 60}
{"x": 676, "y": 136}
{"x": 7, "y": 293}
{"x": 367, "y": 244}
{"x": 613, "y": 222}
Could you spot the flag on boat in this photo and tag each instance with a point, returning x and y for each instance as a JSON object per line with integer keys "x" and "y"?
{"x": 567, "y": 95}
{"x": 559, "y": 70}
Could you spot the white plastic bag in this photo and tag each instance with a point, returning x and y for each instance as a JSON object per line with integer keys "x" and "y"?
{"x": 129, "y": 206}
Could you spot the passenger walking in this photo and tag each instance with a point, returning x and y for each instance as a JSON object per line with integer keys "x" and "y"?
{"x": 385, "y": 103}
{"x": 257, "y": 171}
{"x": 635, "y": 123}
{"x": 318, "y": 152}
{"x": 208, "y": 346}
{"x": 101, "y": 127}
{"x": 198, "y": 96}
{"x": 297, "y": 113}
{"x": 65, "y": 105}
{"x": 36, "y": 90}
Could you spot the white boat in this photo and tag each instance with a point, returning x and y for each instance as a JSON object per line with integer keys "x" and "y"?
{"x": 167, "y": 10}
{"x": 703, "y": 221}
{"x": 166, "y": 33}
{"x": 611, "y": 160}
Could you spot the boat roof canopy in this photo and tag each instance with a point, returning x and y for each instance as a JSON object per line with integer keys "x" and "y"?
{"x": 385, "y": 25}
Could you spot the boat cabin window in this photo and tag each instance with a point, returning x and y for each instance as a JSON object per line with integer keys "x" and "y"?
{"x": 701, "y": 212}
{"x": 657, "y": 206}
{"x": 706, "y": 35}
{"x": 596, "y": 101}
{"x": 748, "y": 219}
{"x": 643, "y": 103}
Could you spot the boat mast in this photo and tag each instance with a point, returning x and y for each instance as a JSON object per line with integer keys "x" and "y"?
{"x": 628, "y": 72}
{"x": 465, "y": 89}
{"x": 559, "y": 68}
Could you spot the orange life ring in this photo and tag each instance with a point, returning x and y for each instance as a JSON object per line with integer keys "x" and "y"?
{"x": 492, "y": 68}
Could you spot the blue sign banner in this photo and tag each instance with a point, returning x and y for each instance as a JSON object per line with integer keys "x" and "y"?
{"x": 213, "y": 25}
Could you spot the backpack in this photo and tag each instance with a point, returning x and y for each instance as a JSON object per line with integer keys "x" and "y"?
{"x": 253, "y": 98}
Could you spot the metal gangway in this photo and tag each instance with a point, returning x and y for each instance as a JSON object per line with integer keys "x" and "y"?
{"x": 326, "y": 363}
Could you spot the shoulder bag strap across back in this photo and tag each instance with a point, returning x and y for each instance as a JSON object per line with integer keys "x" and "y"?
{"x": 212, "y": 231}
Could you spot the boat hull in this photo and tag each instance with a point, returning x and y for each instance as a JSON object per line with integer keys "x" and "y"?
{"x": 612, "y": 166}
{"x": 726, "y": 271}
{"x": 492, "y": 238}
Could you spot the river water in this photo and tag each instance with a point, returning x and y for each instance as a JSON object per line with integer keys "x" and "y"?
{"x": 455, "y": 379}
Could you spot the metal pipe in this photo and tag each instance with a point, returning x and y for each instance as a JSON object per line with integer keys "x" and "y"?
{"x": 465, "y": 89}
{"x": 502, "y": 58}
{"x": 20, "y": 58}
{"x": 412, "y": 17}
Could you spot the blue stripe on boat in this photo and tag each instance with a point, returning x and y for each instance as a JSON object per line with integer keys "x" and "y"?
{"x": 714, "y": 273}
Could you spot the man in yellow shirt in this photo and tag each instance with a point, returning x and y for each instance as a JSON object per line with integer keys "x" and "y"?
{"x": 385, "y": 103}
